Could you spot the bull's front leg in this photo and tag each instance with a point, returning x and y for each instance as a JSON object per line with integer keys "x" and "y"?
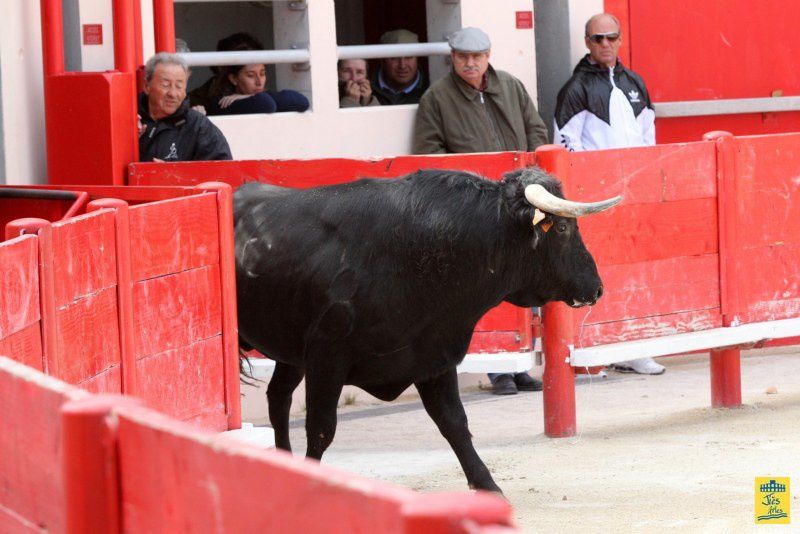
{"x": 442, "y": 402}
{"x": 284, "y": 381}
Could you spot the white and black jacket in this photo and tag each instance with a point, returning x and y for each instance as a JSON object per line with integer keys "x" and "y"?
{"x": 600, "y": 107}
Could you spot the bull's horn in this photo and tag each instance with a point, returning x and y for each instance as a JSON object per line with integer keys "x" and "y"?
{"x": 546, "y": 201}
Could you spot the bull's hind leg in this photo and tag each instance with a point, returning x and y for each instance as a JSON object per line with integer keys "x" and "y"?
{"x": 324, "y": 385}
{"x": 279, "y": 398}
{"x": 442, "y": 402}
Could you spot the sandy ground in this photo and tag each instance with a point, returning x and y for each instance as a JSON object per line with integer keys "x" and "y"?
{"x": 650, "y": 455}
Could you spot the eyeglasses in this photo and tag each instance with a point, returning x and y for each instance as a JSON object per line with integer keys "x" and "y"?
{"x": 597, "y": 38}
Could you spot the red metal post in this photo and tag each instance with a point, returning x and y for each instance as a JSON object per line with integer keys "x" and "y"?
{"x": 47, "y": 295}
{"x": 124, "y": 289}
{"x": 124, "y": 36}
{"x": 137, "y": 33}
{"x": 559, "y": 377}
{"x": 52, "y": 37}
{"x": 164, "y": 24}
{"x": 726, "y": 378}
{"x": 725, "y": 364}
{"x": 227, "y": 270}
{"x": 89, "y": 464}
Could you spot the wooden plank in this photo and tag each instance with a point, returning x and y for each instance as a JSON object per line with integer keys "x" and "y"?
{"x": 655, "y": 288}
{"x": 176, "y": 310}
{"x": 644, "y": 175}
{"x": 769, "y": 282}
{"x": 84, "y": 256}
{"x": 88, "y": 337}
{"x": 106, "y": 381}
{"x": 175, "y": 479}
{"x": 19, "y": 285}
{"x": 312, "y": 173}
{"x": 646, "y": 327}
{"x": 494, "y": 341}
{"x": 174, "y": 235}
{"x": 768, "y": 197}
{"x": 503, "y": 317}
{"x": 685, "y": 342}
{"x": 647, "y": 232}
{"x": 186, "y": 383}
{"x": 30, "y": 460}
{"x": 25, "y": 346}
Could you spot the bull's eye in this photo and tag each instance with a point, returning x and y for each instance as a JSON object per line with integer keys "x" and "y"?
{"x": 561, "y": 227}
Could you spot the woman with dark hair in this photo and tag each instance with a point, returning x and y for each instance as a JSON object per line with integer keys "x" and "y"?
{"x": 240, "y": 89}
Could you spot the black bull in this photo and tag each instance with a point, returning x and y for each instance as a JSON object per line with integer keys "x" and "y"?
{"x": 379, "y": 284}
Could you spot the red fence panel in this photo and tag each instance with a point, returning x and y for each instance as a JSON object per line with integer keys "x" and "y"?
{"x": 84, "y": 271}
{"x": 768, "y": 224}
{"x": 658, "y": 251}
{"x": 20, "y": 319}
{"x": 177, "y": 305}
{"x": 175, "y": 478}
{"x": 31, "y": 484}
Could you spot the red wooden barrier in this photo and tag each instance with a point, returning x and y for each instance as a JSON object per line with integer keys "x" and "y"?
{"x": 20, "y": 320}
{"x": 104, "y": 464}
{"x": 31, "y": 495}
{"x": 165, "y": 331}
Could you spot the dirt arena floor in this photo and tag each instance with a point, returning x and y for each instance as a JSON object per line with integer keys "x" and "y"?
{"x": 650, "y": 455}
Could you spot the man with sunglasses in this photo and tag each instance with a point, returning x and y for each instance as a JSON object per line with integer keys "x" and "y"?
{"x": 605, "y": 105}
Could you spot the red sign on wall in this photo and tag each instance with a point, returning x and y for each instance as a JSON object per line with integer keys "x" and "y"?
{"x": 92, "y": 34}
{"x": 524, "y": 20}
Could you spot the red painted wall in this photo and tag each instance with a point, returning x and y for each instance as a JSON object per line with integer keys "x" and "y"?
{"x": 715, "y": 49}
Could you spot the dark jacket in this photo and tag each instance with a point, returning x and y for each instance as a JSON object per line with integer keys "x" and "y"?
{"x": 387, "y": 97}
{"x": 455, "y": 118}
{"x": 186, "y": 135}
{"x": 265, "y": 102}
{"x": 600, "y": 107}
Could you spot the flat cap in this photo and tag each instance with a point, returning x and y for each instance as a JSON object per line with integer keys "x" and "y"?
{"x": 470, "y": 40}
{"x": 399, "y": 36}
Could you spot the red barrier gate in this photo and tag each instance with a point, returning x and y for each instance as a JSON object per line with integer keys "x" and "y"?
{"x": 138, "y": 300}
{"x": 102, "y": 464}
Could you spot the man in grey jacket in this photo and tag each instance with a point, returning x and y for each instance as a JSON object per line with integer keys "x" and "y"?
{"x": 476, "y": 108}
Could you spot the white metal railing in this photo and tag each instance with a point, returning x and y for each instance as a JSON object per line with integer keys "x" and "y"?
{"x": 302, "y": 55}
{"x": 393, "y": 50}
{"x": 245, "y": 57}
{"x": 734, "y": 106}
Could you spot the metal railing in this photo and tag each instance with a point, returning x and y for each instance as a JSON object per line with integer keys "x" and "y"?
{"x": 302, "y": 55}
{"x": 733, "y": 106}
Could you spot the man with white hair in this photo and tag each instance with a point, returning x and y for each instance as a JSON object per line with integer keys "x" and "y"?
{"x": 168, "y": 129}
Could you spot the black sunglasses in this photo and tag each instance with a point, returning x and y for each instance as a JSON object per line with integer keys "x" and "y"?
{"x": 597, "y": 38}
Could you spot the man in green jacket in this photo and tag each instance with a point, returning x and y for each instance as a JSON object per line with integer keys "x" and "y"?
{"x": 476, "y": 108}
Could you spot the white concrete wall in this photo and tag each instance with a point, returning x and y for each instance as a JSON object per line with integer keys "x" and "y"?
{"x": 22, "y": 126}
{"x": 579, "y": 13}
{"x": 96, "y": 58}
{"x": 513, "y": 50}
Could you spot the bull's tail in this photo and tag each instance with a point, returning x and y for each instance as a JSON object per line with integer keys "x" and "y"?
{"x": 245, "y": 367}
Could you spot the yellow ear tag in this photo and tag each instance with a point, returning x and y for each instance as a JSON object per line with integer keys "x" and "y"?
{"x": 546, "y": 226}
{"x": 538, "y": 217}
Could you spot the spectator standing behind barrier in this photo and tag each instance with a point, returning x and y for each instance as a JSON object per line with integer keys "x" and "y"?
{"x": 605, "y": 105}
{"x": 399, "y": 80}
{"x": 240, "y": 89}
{"x": 479, "y": 109}
{"x": 354, "y": 87}
{"x": 476, "y": 108}
{"x": 168, "y": 129}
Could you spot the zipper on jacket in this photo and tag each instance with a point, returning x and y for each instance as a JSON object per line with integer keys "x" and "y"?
{"x": 497, "y": 142}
